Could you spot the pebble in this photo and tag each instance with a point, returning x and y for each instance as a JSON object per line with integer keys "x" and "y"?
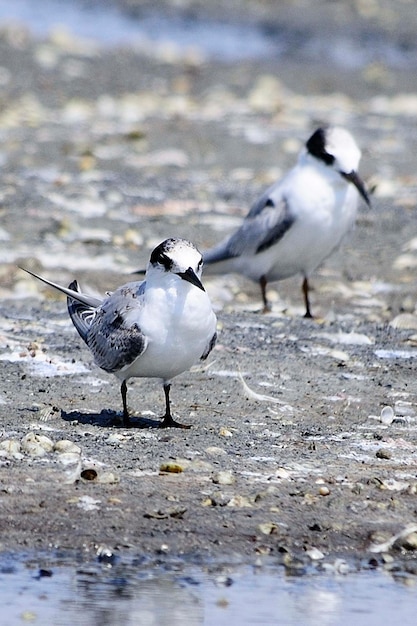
{"x": 387, "y": 415}
{"x": 87, "y": 503}
{"x": 409, "y": 542}
{"x": 66, "y": 446}
{"x": 10, "y": 446}
{"x": 69, "y": 458}
{"x": 324, "y": 491}
{"x": 225, "y": 477}
{"x": 171, "y": 467}
{"x": 108, "y": 478}
{"x": 240, "y": 502}
{"x": 341, "y": 566}
{"x": 36, "y": 445}
{"x": 315, "y": 554}
{"x": 116, "y": 439}
{"x": 215, "y": 451}
{"x": 383, "y": 453}
{"x": 282, "y": 473}
{"x": 45, "y": 442}
{"x": 268, "y": 528}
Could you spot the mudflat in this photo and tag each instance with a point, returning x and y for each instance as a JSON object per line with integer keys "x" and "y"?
{"x": 304, "y": 432}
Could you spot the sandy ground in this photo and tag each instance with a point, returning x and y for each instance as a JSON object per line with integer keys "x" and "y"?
{"x": 304, "y": 433}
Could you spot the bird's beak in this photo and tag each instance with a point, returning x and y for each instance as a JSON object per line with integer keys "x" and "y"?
{"x": 353, "y": 177}
{"x": 191, "y": 277}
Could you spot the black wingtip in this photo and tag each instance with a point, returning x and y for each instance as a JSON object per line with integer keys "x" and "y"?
{"x": 73, "y": 285}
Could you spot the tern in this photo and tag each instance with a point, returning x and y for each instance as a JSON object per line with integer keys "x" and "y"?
{"x": 155, "y": 328}
{"x": 300, "y": 220}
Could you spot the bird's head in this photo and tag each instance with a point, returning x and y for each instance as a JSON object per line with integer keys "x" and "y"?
{"x": 337, "y": 149}
{"x": 180, "y": 257}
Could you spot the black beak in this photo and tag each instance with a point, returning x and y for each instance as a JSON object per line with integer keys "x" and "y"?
{"x": 191, "y": 277}
{"x": 354, "y": 178}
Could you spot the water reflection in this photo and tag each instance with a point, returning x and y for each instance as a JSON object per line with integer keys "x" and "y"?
{"x": 129, "y": 600}
{"x": 133, "y": 593}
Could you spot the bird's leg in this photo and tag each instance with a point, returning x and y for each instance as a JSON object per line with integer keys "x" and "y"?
{"x": 168, "y": 420}
{"x": 126, "y": 419}
{"x": 306, "y": 289}
{"x": 267, "y": 306}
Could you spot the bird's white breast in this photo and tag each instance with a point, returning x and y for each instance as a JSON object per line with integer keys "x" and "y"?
{"x": 178, "y": 322}
{"x": 324, "y": 207}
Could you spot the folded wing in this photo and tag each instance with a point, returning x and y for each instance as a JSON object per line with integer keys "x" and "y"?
{"x": 266, "y": 223}
{"x": 114, "y": 339}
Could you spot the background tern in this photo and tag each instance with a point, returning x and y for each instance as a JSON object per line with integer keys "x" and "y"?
{"x": 301, "y": 219}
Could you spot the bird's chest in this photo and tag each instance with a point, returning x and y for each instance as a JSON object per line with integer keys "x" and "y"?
{"x": 328, "y": 210}
{"x": 172, "y": 318}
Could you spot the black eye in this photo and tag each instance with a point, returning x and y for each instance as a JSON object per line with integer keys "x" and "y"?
{"x": 200, "y": 263}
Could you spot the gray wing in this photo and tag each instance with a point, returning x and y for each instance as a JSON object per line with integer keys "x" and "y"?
{"x": 266, "y": 223}
{"x": 112, "y": 337}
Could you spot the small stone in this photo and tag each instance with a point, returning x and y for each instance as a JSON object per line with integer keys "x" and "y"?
{"x": 34, "y": 449}
{"x": 108, "y": 478}
{"x": 315, "y": 554}
{"x": 240, "y": 502}
{"x": 87, "y": 503}
{"x": 66, "y": 446}
{"x": 116, "y": 439}
{"x": 223, "y": 581}
{"x": 410, "y": 541}
{"x": 225, "y": 477}
{"x": 215, "y": 451}
{"x": 171, "y": 467}
{"x": 69, "y": 458}
{"x": 11, "y": 446}
{"x": 324, "y": 491}
{"x": 36, "y": 445}
{"x": 268, "y": 528}
{"x": 282, "y": 473}
{"x": 387, "y": 558}
{"x": 387, "y": 415}
{"x": 224, "y": 432}
{"x": 383, "y": 453}
{"x": 341, "y": 566}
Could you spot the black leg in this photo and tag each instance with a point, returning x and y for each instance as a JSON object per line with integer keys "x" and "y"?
{"x": 267, "y": 306}
{"x": 168, "y": 420}
{"x": 123, "y": 390}
{"x": 306, "y": 289}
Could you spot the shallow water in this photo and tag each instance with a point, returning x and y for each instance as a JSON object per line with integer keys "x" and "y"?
{"x": 215, "y": 39}
{"x": 110, "y": 26}
{"x": 133, "y": 593}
